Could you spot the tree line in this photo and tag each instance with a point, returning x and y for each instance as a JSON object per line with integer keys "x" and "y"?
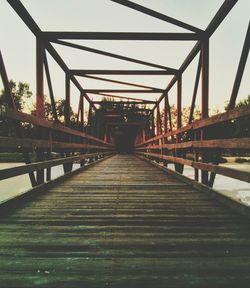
{"x": 22, "y": 97}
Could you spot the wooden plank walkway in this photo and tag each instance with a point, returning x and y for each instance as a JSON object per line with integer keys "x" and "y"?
{"x": 124, "y": 223}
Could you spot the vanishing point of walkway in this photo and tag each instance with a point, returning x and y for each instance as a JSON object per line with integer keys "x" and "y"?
{"x": 124, "y": 223}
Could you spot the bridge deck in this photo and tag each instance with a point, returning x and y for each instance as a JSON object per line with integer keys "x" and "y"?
{"x": 124, "y": 223}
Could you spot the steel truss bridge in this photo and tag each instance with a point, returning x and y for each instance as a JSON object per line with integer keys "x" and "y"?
{"x": 123, "y": 218}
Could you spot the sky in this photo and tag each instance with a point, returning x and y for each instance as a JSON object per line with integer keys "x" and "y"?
{"x": 17, "y": 44}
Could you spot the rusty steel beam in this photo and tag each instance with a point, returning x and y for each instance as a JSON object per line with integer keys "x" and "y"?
{"x": 195, "y": 50}
{"x": 40, "y": 78}
{"x": 65, "y": 68}
{"x": 159, "y": 123}
{"x": 78, "y": 110}
{"x": 240, "y": 70}
{"x": 67, "y": 100}
{"x": 221, "y": 14}
{"x": 80, "y": 72}
{"x": 125, "y": 124}
{"x": 179, "y": 102}
{"x": 211, "y": 28}
{"x": 119, "y": 82}
{"x": 153, "y": 123}
{"x": 51, "y": 93}
{"x": 157, "y": 15}
{"x": 121, "y": 91}
{"x": 31, "y": 24}
{"x": 170, "y": 117}
{"x": 40, "y": 51}
{"x": 165, "y": 114}
{"x": 125, "y": 102}
{"x": 82, "y": 112}
{"x": 196, "y": 84}
{"x": 204, "y": 99}
{"x": 138, "y": 36}
{"x": 204, "y": 78}
{"x": 125, "y": 98}
{"x": 7, "y": 91}
{"x": 112, "y": 55}
{"x": 178, "y": 166}
{"x": 25, "y": 16}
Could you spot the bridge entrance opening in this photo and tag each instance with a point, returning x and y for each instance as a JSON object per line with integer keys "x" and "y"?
{"x": 124, "y": 138}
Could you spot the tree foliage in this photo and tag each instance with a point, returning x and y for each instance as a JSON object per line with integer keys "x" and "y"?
{"x": 60, "y": 110}
{"x": 244, "y": 102}
{"x": 20, "y": 92}
{"x": 185, "y": 115}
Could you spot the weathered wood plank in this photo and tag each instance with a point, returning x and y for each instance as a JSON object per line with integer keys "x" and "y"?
{"x": 19, "y": 170}
{"x": 123, "y": 223}
{"x": 24, "y": 117}
{"x": 226, "y": 171}
{"x": 233, "y": 143}
{"x": 16, "y": 144}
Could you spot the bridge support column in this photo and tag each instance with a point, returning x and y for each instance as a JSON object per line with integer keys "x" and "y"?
{"x": 179, "y": 167}
{"x": 40, "y": 52}
{"x": 153, "y": 123}
{"x": 67, "y": 100}
{"x": 204, "y": 99}
{"x": 40, "y": 78}
{"x": 67, "y": 166}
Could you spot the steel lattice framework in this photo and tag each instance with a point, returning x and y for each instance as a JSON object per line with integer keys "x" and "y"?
{"x": 160, "y": 132}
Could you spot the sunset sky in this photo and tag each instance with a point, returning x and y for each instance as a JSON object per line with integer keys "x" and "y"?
{"x": 18, "y": 44}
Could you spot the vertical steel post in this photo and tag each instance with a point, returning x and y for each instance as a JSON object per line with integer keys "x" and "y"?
{"x": 179, "y": 167}
{"x": 179, "y": 102}
{"x": 153, "y": 123}
{"x": 205, "y": 78}
{"x": 82, "y": 112}
{"x": 81, "y": 107}
{"x": 169, "y": 114}
{"x": 67, "y": 166}
{"x": 39, "y": 78}
{"x": 158, "y": 117}
{"x": 40, "y": 99}
{"x": 204, "y": 97}
{"x": 165, "y": 114}
{"x": 90, "y": 122}
{"x": 165, "y": 140}
{"x": 67, "y": 100}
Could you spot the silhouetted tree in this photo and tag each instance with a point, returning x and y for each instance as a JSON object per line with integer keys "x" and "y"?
{"x": 20, "y": 92}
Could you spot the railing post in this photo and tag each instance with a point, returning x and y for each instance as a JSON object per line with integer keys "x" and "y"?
{"x": 204, "y": 98}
